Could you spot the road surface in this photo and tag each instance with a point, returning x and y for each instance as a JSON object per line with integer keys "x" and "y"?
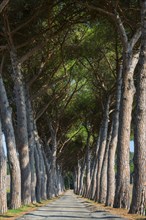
{"x": 69, "y": 207}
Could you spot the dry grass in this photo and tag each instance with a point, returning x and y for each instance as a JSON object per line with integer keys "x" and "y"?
{"x": 93, "y": 206}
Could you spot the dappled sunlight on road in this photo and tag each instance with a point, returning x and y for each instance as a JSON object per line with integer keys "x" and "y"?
{"x": 68, "y": 207}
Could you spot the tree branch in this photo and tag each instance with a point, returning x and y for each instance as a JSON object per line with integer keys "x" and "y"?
{"x": 30, "y": 53}
{"x": 8, "y": 32}
{"x": 69, "y": 139}
{"x": 40, "y": 70}
{"x": 92, "y": 7}
{"x": 45, "y": 87}
{"x": 121, "y": 29}
{"x": 42, "y": 111}
{"x": 108, "y": 62}
{"x": 35, "y": 14}
{"x": 2, "y": 64}
{"x": 3, "y": 5}
{"x": 135, "y": 38}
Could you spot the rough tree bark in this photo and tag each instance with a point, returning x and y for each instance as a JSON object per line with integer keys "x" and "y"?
{"x": 102, "y": 146}
{"x": 88, "y": 163}
{"x": 94, "y": 177}
{"x": 113, "y": 145}
{"x": 75, "y": 180}
{"x": 52, "y": 185}
{"x": 43, "y": 172}
{"x": 38, "y": 174}
{"x": 83, "y": 167}
{"x": 22, "y": 134}
{"x": 122, "y": 197}
{"x": 78, "y": 176}
{"x": 60, "y": 180}
{"x": 31, "y": 143}
{"x": 139, "y": 187}
{"x": 47, "y": 167}
{"x": 15, "y": 175}
{"x": 103, "y": 179}
{"x": 3, "y": 176}
{"x": 41, "y": 167}
{"x": 20, "y": 99}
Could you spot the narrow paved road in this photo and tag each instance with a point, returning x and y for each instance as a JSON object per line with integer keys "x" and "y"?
{"x": 68, "y": 207}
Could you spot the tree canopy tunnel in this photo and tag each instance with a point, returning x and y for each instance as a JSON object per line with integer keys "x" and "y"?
{"x": 72, "y": 91}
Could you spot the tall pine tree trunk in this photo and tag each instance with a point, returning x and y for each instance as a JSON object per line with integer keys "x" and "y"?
{"x": 38, "y": 173}
{"x": 22, "y": 135}
{"x": 138, "y": 204}
{"x": 113, "y": 145}
{"x": 122, "y": 194}
{"x": 6, "y": 113}
{"x": 102, "y": 146}
{"x": 103, "y": 179}
{"x": 3, "y": 176}
{"x": 43, "y": 173}
{"x": 78, "y": 177}
{"x": 31, "y": 143}
{"x": 47, "y": 167}
{"x": 88, "y": 163}
{"x": 75, "y": 177}
{"x": 53, "y": 179}
{"x": 95, "y": 167}
{"x": 83, "y": 167}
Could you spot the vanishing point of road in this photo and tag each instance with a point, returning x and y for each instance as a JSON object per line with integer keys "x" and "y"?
{"x": 68, "y": 207}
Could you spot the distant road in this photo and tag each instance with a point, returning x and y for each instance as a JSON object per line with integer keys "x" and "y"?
{"x": 68, "y": 207}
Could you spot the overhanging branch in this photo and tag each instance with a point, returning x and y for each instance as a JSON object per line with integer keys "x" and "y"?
{"x": 3, "y": 5}
{"x": 116, "y": 18}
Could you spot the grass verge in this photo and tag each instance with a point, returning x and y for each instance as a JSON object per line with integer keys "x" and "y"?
{"x": 15, "y": 213}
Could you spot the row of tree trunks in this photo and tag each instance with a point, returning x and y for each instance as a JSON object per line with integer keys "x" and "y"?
{"x": 122, "y": 192}
{"x": 93, "y": 172}
{"x": 122, "y": 198}
{"x": 6, "y": 114}
{"x": 33, "y": 169}
{"x": 104, "y": 172}
{"x": 120, "y": 135}
{"x": 29, "y": 180}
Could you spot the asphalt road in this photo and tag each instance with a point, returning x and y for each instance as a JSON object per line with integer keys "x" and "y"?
{"x": 69, "y": 207}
